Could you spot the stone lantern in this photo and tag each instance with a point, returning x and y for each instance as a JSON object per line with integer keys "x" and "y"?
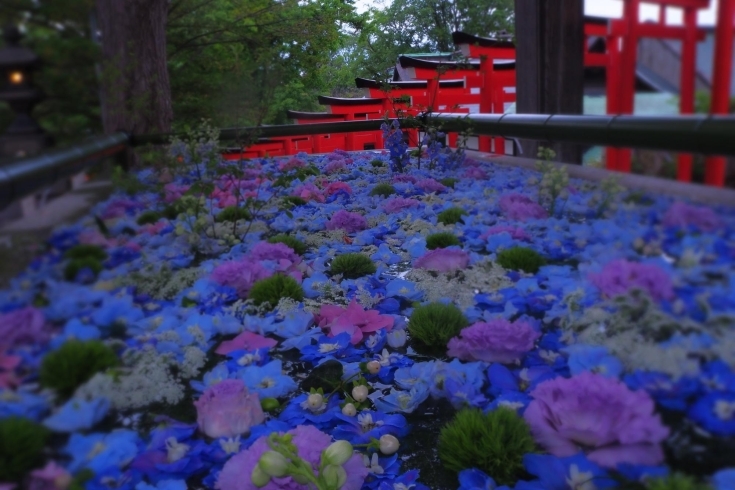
{"x": 24, "y": 137}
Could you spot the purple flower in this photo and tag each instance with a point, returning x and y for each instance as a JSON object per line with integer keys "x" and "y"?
{"x": 475, "y": 173}
{"x": 591, "y": 411}
{"x": 350, "y": 222}
{"x": 520, "y": 207}
{"x": 430, "y": 185}
{"x": 443, "y": 260}
{"x": 310, "y": 442}
{"x": 23, "y": 326}
{"x": 495, "y": 341}
{"x": 273, "y": 251}
{"x": 240, "y": 275}
{"x": 618, "y": 276}
{"x": 681, "y": 214}
{"x": 395, "y": 204}
{"x": 226, "y": 409}
{"x": 514, "y": 232}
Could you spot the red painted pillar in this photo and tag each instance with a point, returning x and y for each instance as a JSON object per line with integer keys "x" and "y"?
{"x": 715, "y": 166}
{"x": 612, "y": 155}
{"x": 486, "y": 99}
{"x": 628, "y": 59}
{"x": 686, "y": 92}
{"x": 350, "y": 137}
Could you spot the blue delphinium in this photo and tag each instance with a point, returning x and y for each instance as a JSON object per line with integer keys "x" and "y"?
{"x": 298, "y": 412}
{"x": 474, "y": 479}
{"x": 268, "y": 381}
{"x": 369, "y": 424}
{"x": 463, "y": 394}
{"x": 23, "y": 403}
{"x": 403, "y": 401}
{"x": 218, "y": 373}
{"x": 240, "y": 358}
{"x": 406, "y": 480}
{"x": 380, "y": 468}
{"x": 100, "y": 452}
{"x": 326, "y": 348}
{"x": 593, "y": 358}
{"x": 715, "y": 412}
{"x": 669, "y": 393}
{"x": 78, "y": 414}
{"x": 555, "y": 473}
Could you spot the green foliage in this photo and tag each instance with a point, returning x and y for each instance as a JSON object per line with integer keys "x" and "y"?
{"x": 554, "y": 180}
{"x": 604, "y": 199}
{"x": 441, "y": 240}
{"x": 494, "y": 443}
{"x": 85, "y": 251}
{"x": 450, "y": 216}
{"x": 296, "y": 245}
{"x": 75, "y": 265}
{"x": 148, "y": 218}
{"x": 352, "y": 266}
{"x": 520, "y": 259}
{"x": 21, "y": 447}
{"x": 383, "y": 190}
{"x": 638, "y": 197}
{"x": 433, "y": 325}
{"x": 677, "y": 481}
{"x": 272, "y": 289}
{"x": 233, "y": 213}
{"x": 73, "y": 364}
{"x": 449, "y": 181}
{"x": 125, "y": 182}
{"x": 376, "y": 162}
{"x": 293, "y": 201}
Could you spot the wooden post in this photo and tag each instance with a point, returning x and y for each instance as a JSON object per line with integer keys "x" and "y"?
{"x": 550, "y": 65}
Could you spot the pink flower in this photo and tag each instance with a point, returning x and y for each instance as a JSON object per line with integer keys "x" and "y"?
{"x": 404, "y": 178}
{"x": 495, "y": 341}
{"x": 282, "y": 258}
{"x": 153, "y": 229}
{"x": 619, "y": 276}
{"x": 309, "y": 441}
{"x": 226, "y": 409}
{"x": 246, "y": 340}
{"x": 681, "y": 214}
{"x": 309, "y": 192}
{"x": 520, "y": 207}
{"x": 172, "y": 192}
{"x": 515, "y": 232}
{"x": 291, "y": 164}
{"x": 475, "y": 173}
{"x": 50, "y": 477}
{"x": 22, "y": 327}
{"x": 591, "y": 411}
{"x": 395, "y": 204}
{"x": 350, "y": 222}
{"x": 335, "y": 166}
{"x": 335, "y": 187}
{"x": 8, "y": 364}
{"x": 354, "y": 320}
{"x": 443, "y": 260}
{"x": 240, "y": 275}
{"x": 430, "y": 185}
{"x": 120, "y": 207}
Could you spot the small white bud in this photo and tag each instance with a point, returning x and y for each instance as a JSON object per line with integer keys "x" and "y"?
{"x": 315, "y": 401}
{"x": 373, "y": 367}
{"x": 389, "y": 444}
{"x": 349, "y": 410}
{"x": 360, "y": 393}
{"x": 334, "y": 476}
{"x": 338, "y": 453}
{"x": 274, "y": 464}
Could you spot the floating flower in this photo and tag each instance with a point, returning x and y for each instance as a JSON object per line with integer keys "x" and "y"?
{"x": 396, "y": 204}
{"x": 521, "y": 208}
{"x": 226, "y": 409}
{"x": 619, "y": 276}
{"x": 681, "y": 214}
{"x": 240, "y": 275}
{"x": 354, "y": 320}
{"x": 591, "y": 411}
{"x": 345, "y": 220}
{"x": 23, "y": 326}
{"x": 495, "y": 341}
{"x": 443, "y": 260}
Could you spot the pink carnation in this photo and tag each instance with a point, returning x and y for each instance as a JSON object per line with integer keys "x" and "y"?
{"x": 350, "y": 222}
{"x": 226, "y": 409}
{"x": 619, "y": 276}
{"x": 25, "y": 326}
{"x": 495, "y": 341}
{"x": 595, "y": 412}
{"x": 309, "y": 441}
{"x": 395, "y": 204}
{"x": 431, "y": 185}
{"x": 354, "y": 320}
{"x": 520, "y": 207}
{"x": 443, "y": 260}
{"x": 681, "y": 214}
{"x": 515, "y": 232}
{"x": 240, "y": 275}
{"x": 309, "y": 192}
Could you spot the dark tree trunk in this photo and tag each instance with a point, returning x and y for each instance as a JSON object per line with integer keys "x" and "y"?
{"x": 550, "y": 65}
{"x": 135, "y": 86}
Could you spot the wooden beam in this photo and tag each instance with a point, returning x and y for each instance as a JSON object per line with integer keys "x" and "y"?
{"x": 550, "y": 65}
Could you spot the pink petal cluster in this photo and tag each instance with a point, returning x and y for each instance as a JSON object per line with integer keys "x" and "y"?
{"x": 120, "y": 207}
{"x": 591, "y": 411}
{"x": 405, "y": 178}
{"x": 240, "y": 275}
{"x": 681, "y": 214}
{"x": 309, "y": 441}
{"x": 395, "y": 204}
{"x": 335, "y": 187}
{"x": 247, "y": 341}
{"x": 345, "y": 220}
{"x": 335, "y": 166}
{"x": 475, "y": 173}
{"x": 430, "y": 185}
{"x": 495, "y": 341}
{"x": 8, "y": 364}
{"x": 443, "y": 260}
{"x": 50, "y": 477}
{"x": 520, "y": 207}
{"x": 172, "y": 192}
{"x": 153, "y": 228}
{"x": 226, "y": 409}
{"x": 354, "y": 320}
{"x": 23, "y": 327}
{"x": 515, "y": 232}
{"x": 619, "y": 276}
{"x": 309, "y": 192}
{"x": 291, "y": 164}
